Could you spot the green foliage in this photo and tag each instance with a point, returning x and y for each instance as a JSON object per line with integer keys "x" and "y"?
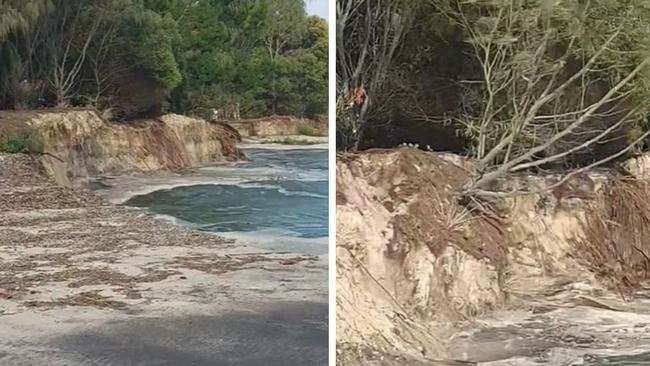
{"x": 18, "y": 15}
{"x": 22, "y": 142}
{"x": 468, "y": 65}
{"x": 267, "y": 57}
{"x": 191, "y": 56}
{"x": 150, "y": 41}
{"x": 284, "y": 25}
{"x": 308, "y": 130}
{"x": 528, "y": 51}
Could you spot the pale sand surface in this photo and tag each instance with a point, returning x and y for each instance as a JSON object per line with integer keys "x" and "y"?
{"x": 83, "y": 282}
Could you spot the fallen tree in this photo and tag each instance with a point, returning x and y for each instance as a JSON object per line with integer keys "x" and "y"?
{"x": 549, "y": 88}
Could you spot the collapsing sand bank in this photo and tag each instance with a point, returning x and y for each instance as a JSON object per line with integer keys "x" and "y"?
{"x": 80, "y": 144}
{"x": 422, "y": 281}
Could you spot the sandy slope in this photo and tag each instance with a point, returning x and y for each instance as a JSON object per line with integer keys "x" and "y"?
{"x": 420, "y": 282}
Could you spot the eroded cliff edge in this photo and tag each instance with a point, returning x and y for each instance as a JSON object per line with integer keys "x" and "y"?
{"x": 280, "y": 126}
{"x": 552, "y": 277}
{"x": 80, "y": 143}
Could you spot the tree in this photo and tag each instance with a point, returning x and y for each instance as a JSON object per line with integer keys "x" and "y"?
{"x": 151, "y": 39}
{"x": 242, "y": 53}
{"x": 555, "y": 81}
{"x": 284, "y": 24}
{"x": 19, "y": 15}
{"x": 369, "y": 33}
{"x": 17, "y": 50}
{"x": 136, "y": 58}
{"x": 67, "y": 42}
{"x": 310, "y": 77}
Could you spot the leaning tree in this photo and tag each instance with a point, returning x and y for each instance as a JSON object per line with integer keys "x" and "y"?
{"x": 558, "y": 78}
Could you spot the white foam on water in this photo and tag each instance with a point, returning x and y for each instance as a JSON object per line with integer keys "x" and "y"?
{"x": 123, "y": 188}
{"x": 176, "y": 221}
{"x": 264, "y": 173}
{"x": 253, "y": 145}
{"x": 276, "y": 240}
{"x": 280, "y": 240}
{"x": 281, "y": 190}
{"x": 247, "y": 171}
{"x": 573, "y": 357}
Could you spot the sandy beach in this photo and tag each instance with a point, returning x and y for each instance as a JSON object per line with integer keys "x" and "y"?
{"x": 79, "y": 274}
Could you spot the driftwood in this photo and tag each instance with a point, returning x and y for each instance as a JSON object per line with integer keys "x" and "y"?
{"x": 46, "y": 154}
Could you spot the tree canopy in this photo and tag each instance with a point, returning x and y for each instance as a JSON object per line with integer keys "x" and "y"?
{"x": 141, "y": 57}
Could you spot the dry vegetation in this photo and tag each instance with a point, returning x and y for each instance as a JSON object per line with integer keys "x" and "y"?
{"x": 417, "y": 193}
{"x": 616, "y": 228}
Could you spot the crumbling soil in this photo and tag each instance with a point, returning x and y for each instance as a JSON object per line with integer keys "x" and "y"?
{"x": 409, "y": 254}
{"x": 428, "y": 185}
{"x": 278, "y": 126}
{"x": 536, "y": 278}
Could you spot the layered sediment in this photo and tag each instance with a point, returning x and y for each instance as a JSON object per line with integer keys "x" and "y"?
{"x": 80, "y": 144}
{"x": 279, "y": 126}
{"x": 422, "y": 280}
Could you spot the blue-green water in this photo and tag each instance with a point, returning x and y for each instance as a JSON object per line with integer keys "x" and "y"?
{"x": 277, "y": 200}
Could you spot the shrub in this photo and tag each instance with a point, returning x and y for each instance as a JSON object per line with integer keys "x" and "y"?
{"x": 22, "y": 142}
{"x": 308, "y": 130}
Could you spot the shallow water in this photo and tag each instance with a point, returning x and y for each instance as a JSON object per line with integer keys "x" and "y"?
{"x": 277, "y": 200}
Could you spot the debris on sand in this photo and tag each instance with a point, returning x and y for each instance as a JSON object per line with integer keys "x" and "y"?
{"x": 68, "y": 247}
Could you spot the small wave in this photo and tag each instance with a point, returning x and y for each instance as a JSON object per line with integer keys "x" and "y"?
{"x": 117, "y": 194}
{"x": 253, "y": 145}
{"x": 248, "y": 171}
{"x": 276, "y": 240}
{"x": 176, "y": 221}
{"x": 281, "y": 190}
{"x": 301, "y": 193}
{"x": 122, "y": 189}
{"x": 265, "y": 173}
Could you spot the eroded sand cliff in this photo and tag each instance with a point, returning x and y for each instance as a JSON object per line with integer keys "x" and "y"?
{"x": 420, "y": 280}
{"x": 81, "y": 144}
{"x": 279, "y": 126}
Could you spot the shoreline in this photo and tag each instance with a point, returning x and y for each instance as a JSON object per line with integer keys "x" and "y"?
{"x": 143, "y": 183}
{"x": 289, "y": 142}
{"x": 67, "y": 256}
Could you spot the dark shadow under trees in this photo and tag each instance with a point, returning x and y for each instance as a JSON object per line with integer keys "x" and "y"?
{"x": 135, "y": 58}
{"x": 515, "y": 85}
